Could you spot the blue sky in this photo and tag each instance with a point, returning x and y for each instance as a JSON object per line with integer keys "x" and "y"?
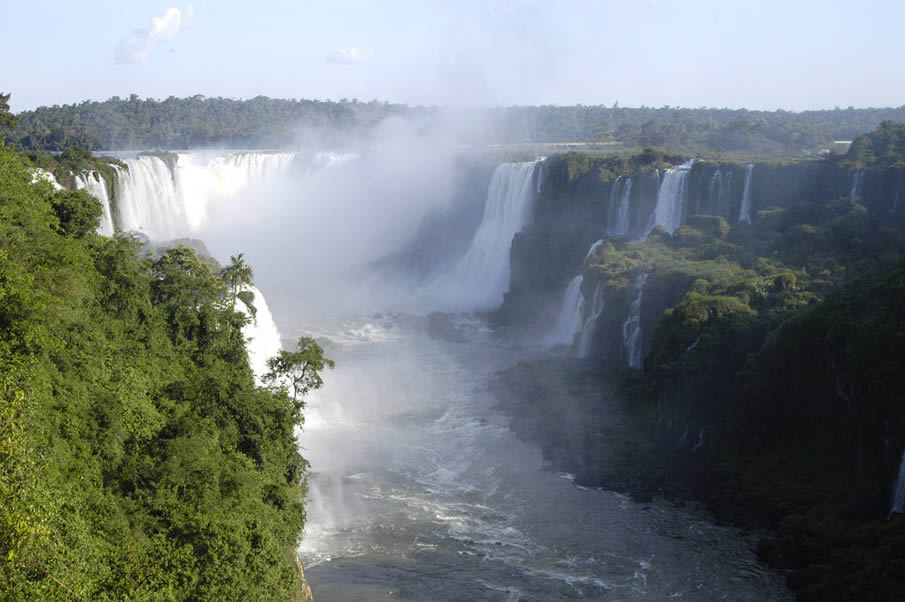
{"x": 765, "y": 55}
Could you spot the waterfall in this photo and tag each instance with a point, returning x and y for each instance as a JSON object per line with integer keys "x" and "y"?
{"x": 590, "y": 323}
{"x": 569, "y": 322}
{"x": 631, "y": 329}
{"x": 484, "y": 270}
{"x": 166, "y": 201}
{"x": 744, "y": 214}
{"x": 618, "y": 210}
{"x": 857, "y": 183}
{"x": 898, "y": 496}
{"x": 672, "y": 196}
{"x": 38, "y": 174}
{"x": 715, "y": 191}
{"x": 94, "y": 184}
{"x": 261, "y": 334}
{"x": 540, "y": 177}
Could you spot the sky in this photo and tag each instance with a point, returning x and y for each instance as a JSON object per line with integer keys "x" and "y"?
{"x": 791, "y": 55}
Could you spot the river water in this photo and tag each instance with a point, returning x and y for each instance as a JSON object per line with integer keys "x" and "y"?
{"x": 420, "y": 492}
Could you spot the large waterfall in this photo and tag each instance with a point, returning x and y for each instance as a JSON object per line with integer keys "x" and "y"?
{"x": 96, "y": 186}
{"x": 483, "y": 273}
{"x": 618, "y": 210}
{"x": 744, "y": 214}
{"x": 165, "y": 199}
{"x": 631, "y": 329}
{"x": 672, "y": 197}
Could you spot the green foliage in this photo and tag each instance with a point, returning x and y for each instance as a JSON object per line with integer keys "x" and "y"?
{"x": 138, "y": 460}
{"x": 882, "y": 148}
{"x": 301, "y": 367}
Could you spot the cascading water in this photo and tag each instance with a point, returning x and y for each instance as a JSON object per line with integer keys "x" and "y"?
{"x": 171, "y": 200}
{"x": 569, "y": 321}
{"x": 483, "y": 273}
{"x": 94, "y": 184}
{"x": 631, "y": 328}
{"x": 744, "y": 214}
{"x": 715, "y": 191}
{"x": 672, "y": 197}
{"x": 260, "y": 332}
{"x": 590, "y": 323}
{"x": 618, "y": 210}
{"x": 38, "y": 174}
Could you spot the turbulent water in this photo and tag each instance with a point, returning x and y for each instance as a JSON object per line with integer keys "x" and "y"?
{"x": 420, "y": 492}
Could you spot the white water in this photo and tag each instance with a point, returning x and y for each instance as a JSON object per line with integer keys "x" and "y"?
{"x": 631, "y": 328}
{"x": 672, "y": 198}
{"x": 166, "y": 203}
{"x": 261, "y": 334}
{"x": 483, "y": 273}
{"x": 744, "y": 214}
{"x": 590, "y": 323}
{"x": 94, "y": 184}
{"x": 618, "y": 210}
{"x": 569, "y": 322}
{"x": 39, "y": 174}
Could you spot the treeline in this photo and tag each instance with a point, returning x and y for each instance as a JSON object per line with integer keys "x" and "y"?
{"x": 263, "y": 122}
{"x": 138, "y": 458}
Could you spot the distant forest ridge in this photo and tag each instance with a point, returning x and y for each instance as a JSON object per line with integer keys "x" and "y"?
{"x": 261, "y": 122}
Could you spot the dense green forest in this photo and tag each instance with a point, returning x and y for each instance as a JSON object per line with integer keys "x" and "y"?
{"x": 261, "y": 122}
{"x": 138, "y": 458}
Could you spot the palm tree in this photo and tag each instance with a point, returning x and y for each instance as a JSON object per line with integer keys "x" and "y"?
{"x": 237, "y": 275}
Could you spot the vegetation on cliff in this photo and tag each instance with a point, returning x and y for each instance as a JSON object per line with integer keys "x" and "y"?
{"x": 771, "y": 385}
{"x": 138, "y": 459}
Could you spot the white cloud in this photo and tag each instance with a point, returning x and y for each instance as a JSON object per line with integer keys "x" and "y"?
{"x": 137, "y": 46}
{"x": 350, "y": 56}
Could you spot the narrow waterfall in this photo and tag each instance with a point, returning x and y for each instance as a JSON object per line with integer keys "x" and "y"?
{"x": 898, "y": 492}
{"x": 617, "y": 221}
{"x": 95, "y": 185}
{"x": 540, "y": 177}
{"x": 857, "y": 183}
{"x": 569, "y": 322}
{"x": 167, "y": 201}
{"x": 631, "y": 329}
{"x": 715, "y": 191}
{"x": 672, "y": 197}
{"x": 261, "y": 334}
{"x": 744, "y": 214}
{"x": 484, "y": 270}
{"x": 590, "y": 323}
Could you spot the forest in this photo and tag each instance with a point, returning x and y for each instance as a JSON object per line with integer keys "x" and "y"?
{"x": 139, "y": 458}
{"x": 261, "y": 122}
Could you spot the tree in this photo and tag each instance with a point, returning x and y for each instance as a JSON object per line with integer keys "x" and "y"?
{"x": 237, "y": 275}
{"x": 302, "y": 368}
{"x": 7, "y": 119}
